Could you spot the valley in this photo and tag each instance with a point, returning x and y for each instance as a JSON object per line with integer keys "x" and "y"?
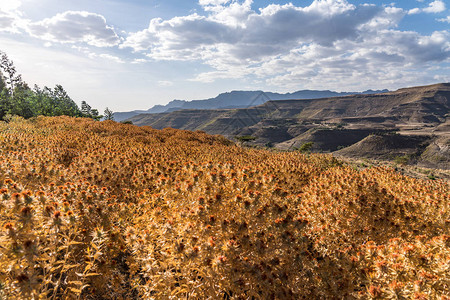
{"x": 412, "y": 123}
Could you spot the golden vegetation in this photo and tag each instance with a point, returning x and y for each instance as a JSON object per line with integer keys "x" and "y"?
{"x": 102, "y": 210}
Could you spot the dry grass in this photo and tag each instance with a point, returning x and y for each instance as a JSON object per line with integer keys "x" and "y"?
{"x": 101, "y": 210}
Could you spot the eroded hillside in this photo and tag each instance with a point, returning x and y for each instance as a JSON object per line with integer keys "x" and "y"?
{"x": 332, "y": 123}
{"x": 102, "y": 210}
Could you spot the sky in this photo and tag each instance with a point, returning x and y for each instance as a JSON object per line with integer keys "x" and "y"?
{"x": 134, "y": 54}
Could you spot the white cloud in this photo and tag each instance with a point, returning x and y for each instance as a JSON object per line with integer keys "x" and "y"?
{"x": 108, "y": 57}
{"x": 6, "y": 21}
{"x": 329, "y": 7}
{"x": 363, "y": 64}
{"x": 96, "y": 56}
{"x": 384, "y": 20}
{"x": 165, "y": 83}
{"x": 10, "y": 16}
{"x": 139, "y": 61}
{"x": 329, "y": 41}
{"x": 75, "y": 27}
{"x": 10, "y": 5}
{"x": 235, "y": 14}
{"x": 212, "y": 2}
{"x": 365, "y": 67}
{"x": 414, "y": 11}
{"x": 445, "y": 19}
{"x": 180, "y": 38}
{"x": 441, "y": 78}
{"x": 275, "y": 29}
{"x": 435, "y": 7}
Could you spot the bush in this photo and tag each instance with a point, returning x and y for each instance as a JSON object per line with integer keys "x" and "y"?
{"x": 245, "y": 138}
{"x": 306, "y": 147}
{"x": 402, "y": 160}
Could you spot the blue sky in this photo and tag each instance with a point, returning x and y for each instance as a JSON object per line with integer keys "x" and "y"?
{"x": 134, "y": 54}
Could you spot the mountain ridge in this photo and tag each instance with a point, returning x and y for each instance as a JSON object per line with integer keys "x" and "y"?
{"x": 236, "y": 99}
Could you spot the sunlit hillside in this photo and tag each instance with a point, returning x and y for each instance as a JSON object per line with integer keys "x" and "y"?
{"x": 103, "y": 210}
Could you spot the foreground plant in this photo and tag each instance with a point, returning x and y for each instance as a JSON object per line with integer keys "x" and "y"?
{"x": 93, "y": 210}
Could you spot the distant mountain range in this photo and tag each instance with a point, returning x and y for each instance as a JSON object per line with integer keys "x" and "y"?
{"x": 236, "y": 99}
{"x": 410, "y": 123}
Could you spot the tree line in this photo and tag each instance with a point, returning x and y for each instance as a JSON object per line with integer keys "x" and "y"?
{"x": 17, "y": 98}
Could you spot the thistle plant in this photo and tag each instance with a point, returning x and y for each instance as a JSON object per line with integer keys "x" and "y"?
{"x": 93, "y": 210}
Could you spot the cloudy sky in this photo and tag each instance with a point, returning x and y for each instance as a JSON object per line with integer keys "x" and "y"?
{"x": 137, "y": 53}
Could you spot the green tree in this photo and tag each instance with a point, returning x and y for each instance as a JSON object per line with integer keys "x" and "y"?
{"x": 4, "y": 97}
{"x": 4, "y": 103}
{"x": 16, "y": 98}
{"x": 66, "y": 106}
{"x": 96, "y": 115}
{"x": 89, "y": 112}
{"x": 9, "y": 72}
{"x": 108, "y": 114}
{"x": 20, "y": 103}
{"x": 2, "y": 82}
{"x": 41, "y": 101}
{"x": 85, "y": 108}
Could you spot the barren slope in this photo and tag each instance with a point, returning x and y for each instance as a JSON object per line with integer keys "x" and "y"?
{"x": 330, "y": 123}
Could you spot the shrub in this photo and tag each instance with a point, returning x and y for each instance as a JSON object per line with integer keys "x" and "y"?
{"x": 306, "y": 147}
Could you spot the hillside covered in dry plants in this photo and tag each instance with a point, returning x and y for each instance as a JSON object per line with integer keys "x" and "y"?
{"x": 103, "y": 210}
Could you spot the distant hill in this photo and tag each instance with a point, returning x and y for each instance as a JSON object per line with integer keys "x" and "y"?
{"x": 330, "y": 123}
{"x": 235, "y": 99}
